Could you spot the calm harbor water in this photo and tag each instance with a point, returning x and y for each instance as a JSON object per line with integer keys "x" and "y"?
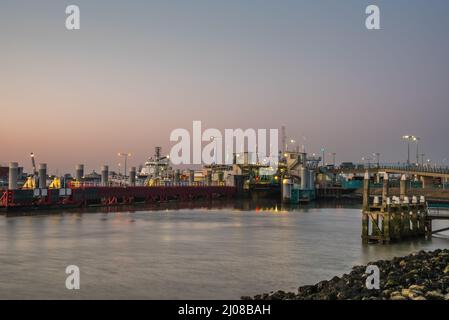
{"x": 215, "y": 251}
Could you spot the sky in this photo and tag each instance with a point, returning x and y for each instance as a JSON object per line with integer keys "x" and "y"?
{"x": 136, "y": 70}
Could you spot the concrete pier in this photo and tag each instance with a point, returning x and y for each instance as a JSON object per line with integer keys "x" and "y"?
{"x": 311, "y": 176}
{"x": 209, "y": 177}
{"x": 43, "y": 176}
{"x": 304, "y": 178}
{"x": 427, "y": 182}
{"x": 403, "y": 186}
{"x": 13, "y": 175}
{"x": 104, "y": 175}
{"x": 79, "y": 174}
{"x": 132, "y": 176}
{"x": 191, "y": 177}
{"x": 385, "y": 189}
{"x": 287, "y": 186}
{"x": 220, "y": 176}
{"x": 177, "y": 176}
{"x": 245, "y": 158}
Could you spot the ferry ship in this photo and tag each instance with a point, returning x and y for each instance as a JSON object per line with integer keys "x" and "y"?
{"x": 156, "y": 167}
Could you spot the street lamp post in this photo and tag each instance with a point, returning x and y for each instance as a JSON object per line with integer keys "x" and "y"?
{"x": 377, "y": 155}
{"x": 407, "y": 138}
{"x": 322, "y": 152}
{"x": 303, "y": 144}
{"x": 417, "y": 139}
{"x": 333, "y": 154}
{"x": 410, "y": 138}
{"x": 422, "y": 159}
{"x": 125, "y": 155}
{"x": 444, "y": 180}
{"x": 214, "y": 139}
{"x": 368, "y": 160}
{"x": 293, "y": 141}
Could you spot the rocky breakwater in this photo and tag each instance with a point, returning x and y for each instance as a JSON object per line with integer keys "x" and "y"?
{"x": 419, "y": 276}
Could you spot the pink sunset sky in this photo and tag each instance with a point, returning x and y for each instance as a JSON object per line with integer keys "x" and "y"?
{"x": 137, "y": 70}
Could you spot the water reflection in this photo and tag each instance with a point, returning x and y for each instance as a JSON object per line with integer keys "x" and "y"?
{"x": 196, "y": 250}
{"x": 265, "y": 205}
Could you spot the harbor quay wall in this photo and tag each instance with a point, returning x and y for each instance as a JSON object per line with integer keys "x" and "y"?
{"x": 86, "y": 196}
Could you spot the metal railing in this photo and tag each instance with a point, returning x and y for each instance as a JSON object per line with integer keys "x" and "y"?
{"x": 439, "y": 211}
{"x": 402, "y": 167}
{"x": 78, "y": 184}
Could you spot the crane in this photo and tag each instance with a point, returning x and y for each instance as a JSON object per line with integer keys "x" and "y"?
{"x": 33, "y": 163}
{"x": 31, "y": 181}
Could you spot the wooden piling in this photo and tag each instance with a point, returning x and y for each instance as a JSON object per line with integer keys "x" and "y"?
{"x": 385, "y": 189}
{"x": 403, "y": 186}
{"x": 366, "y": 192}
{"x": 392, "y": 221}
